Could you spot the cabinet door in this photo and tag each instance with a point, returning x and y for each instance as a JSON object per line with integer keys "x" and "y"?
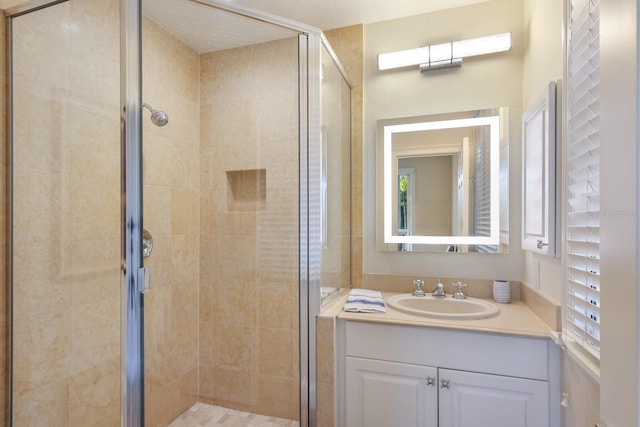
{"x": 469, "y": 399}
{"x": 389, "y": 394}
{"x": 538, "y": 176}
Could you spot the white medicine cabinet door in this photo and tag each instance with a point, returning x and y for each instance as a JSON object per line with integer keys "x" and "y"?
{"x": 470, "y": 399}
{"x": 390, "y": 394}
{"x": 539, "y": 175}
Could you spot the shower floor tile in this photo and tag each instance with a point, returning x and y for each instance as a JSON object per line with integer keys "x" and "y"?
{"x": 203, "y": 415}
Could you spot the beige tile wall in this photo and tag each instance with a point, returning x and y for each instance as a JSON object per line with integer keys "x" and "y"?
{"x": 66, "y": 230}
{"x": 67, "y": 219}
{"x": 347, "y": 42}
{"x": 249, "y": 259}
{"x": 542, "y": 306}
{"x": 3, "y": 228}
{"x": 325, "y": 340}
{"x": 172, "y": 214}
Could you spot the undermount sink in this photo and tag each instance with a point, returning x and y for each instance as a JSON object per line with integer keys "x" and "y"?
{"x": 444, "y": 308}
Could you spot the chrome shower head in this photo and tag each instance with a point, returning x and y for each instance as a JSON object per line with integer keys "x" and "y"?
{"x": 158, "y": 117}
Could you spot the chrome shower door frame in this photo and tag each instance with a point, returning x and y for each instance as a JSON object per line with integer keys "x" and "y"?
{"x": 132, "y": 276}
{"x": 132, "y": 279}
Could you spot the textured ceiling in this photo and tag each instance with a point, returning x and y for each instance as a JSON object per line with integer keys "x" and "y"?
{"x": 206, "y": 29}
{"x": 328, "y": 14}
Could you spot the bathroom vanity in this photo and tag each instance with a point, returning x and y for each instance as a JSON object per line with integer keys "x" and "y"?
{"x": 396, "y": 369}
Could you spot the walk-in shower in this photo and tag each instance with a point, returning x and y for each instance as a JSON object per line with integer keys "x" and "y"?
{"x": 247, "y": 214}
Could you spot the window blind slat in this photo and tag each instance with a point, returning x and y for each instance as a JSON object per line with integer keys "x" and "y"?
{"x": 582, "y": 224}
{"x": 586, "y": 97}
{"x": 579, "y": 173}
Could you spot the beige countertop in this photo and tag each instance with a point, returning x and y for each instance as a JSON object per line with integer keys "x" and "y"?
{"x": 514, "y": 318}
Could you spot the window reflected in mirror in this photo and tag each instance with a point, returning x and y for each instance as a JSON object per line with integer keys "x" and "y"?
{"x": 443, "y": 182}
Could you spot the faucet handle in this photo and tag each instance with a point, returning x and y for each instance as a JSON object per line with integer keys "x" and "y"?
{"x": 458, "y": 293}
{"x": 418, "y": 284}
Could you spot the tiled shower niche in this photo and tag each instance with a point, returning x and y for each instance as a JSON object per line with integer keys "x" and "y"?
{"x": 247, "y": 190}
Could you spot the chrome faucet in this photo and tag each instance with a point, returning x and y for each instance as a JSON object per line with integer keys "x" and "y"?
{"x": 418, "y": 284}
{"x": 458, "y": 294}
{"x": 439, "y": 290}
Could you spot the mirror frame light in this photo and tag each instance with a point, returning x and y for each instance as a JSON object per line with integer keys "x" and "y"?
{"x": 494, "y": 131}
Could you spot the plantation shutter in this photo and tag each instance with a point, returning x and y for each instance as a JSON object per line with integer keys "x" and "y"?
{"x": 582, "y": 249}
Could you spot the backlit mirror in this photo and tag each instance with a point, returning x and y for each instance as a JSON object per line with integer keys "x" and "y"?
{"x": 442, "y": 182}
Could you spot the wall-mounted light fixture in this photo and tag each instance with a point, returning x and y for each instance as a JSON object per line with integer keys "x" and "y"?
{"x": 444, "y": 55}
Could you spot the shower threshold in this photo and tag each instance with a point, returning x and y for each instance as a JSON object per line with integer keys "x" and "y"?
{"x": 205, "y": 415}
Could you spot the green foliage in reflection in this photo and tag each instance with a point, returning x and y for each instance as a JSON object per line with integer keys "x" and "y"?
{"x": 403, "y": 190}
{"x": 402, "y": 201}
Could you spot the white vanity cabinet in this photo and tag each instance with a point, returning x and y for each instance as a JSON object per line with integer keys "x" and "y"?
{"x": 471, "y": 399}
{"x": 383, "y": 394}
{"x": 405, "y": 376}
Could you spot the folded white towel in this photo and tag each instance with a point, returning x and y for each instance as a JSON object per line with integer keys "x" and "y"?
{"x": 365, "y": 301}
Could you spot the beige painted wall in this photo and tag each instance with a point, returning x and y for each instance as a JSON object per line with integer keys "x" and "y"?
{"x": 542, "y": 55}
{"x": 542, "y": 63}
{"x": 484, "y": 82}
{"x": 433, "y": 194}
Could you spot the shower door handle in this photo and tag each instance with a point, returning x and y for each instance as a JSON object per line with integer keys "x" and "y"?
{"x": 147, "y": 243}
{"x": 144, "y": 279}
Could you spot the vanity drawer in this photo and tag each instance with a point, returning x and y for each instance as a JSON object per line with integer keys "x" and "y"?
{"x": 454, "y": 349}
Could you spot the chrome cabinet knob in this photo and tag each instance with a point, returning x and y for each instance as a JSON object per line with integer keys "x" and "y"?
{"x": 431, "y": 381}
{"x": 445, "y": 384}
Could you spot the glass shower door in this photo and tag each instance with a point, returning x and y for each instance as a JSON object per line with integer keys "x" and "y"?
{"x": 221, "y": 199}
{"x": 66, "y": 214}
